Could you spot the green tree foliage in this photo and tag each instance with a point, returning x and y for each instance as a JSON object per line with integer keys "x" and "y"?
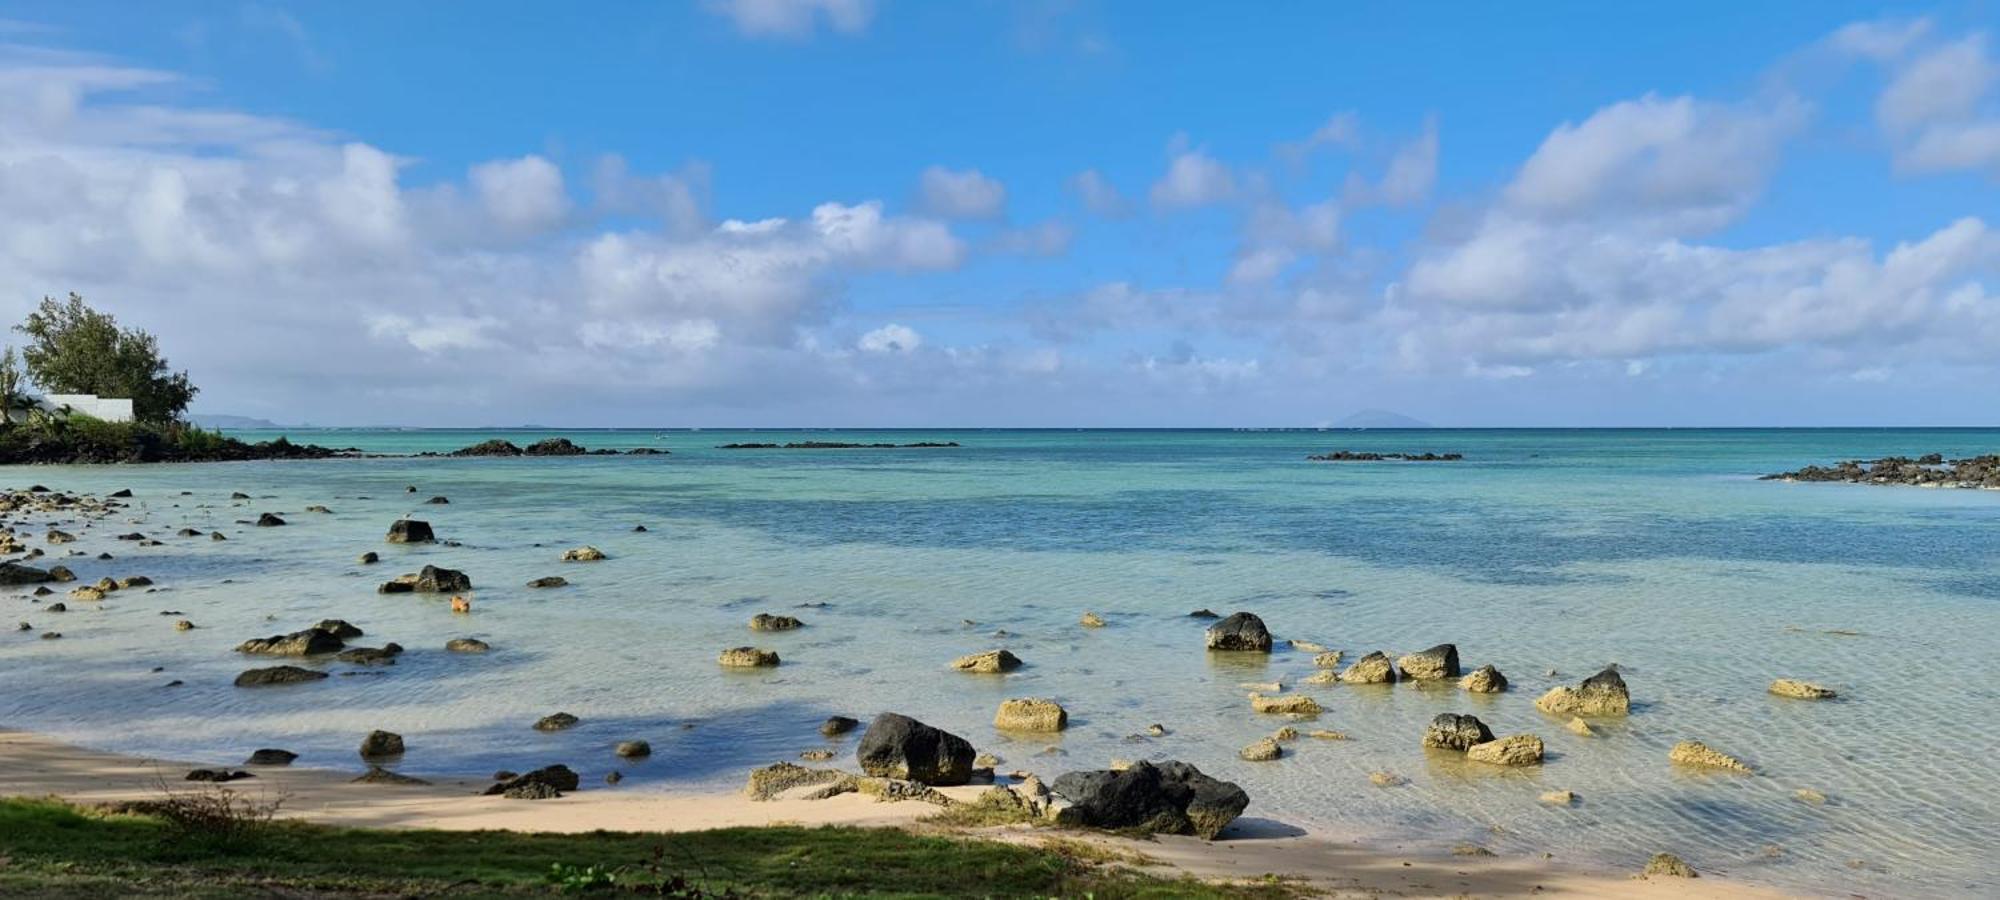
{"x": 13, "y": 385}
{"x": 73, "y": 349}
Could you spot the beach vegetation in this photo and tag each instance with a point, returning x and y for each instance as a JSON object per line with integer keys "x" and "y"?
{"x": 74, "y": 349}
{"x": 54, "y": 849}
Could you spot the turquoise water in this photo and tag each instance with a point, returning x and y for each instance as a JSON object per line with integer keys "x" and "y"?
{"x": 1544, "y": 550}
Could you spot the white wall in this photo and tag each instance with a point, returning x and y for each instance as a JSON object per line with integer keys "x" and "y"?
{"x": 106, "y": 408}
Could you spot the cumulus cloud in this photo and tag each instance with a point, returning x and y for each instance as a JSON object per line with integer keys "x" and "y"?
{"x": 1937, "y": 108}
{"x": 1409, "y": 176}
{"x": 891, "y": 338}
{"x": 794, "y": 19}
{"x": 1193, "y": 179}
{"x": 965, "y": 194}
{"x": 524, "y": 195}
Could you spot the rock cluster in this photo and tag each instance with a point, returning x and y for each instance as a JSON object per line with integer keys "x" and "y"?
{"x": 431, "y": 580}
{"x": 1931, "y": 470}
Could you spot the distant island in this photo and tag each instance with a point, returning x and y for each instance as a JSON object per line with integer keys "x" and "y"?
{"x": 1379, "y": 418}
{"x": 220, "y": 420}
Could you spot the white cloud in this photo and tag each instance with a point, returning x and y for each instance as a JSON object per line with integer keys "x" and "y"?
{"x": 794, "y": 19}
{"x": 1881, "y": 41}
{"x": 524, "y": 195}
{"x": 1937, "y": 108}
{"x": 891, "y": 338}
{"x": 1193, "y": 179}
{"x": 1341, "y": 131}
{"x": 1099, "y": 195}
{"x": 1048, "y": 238}
{"x": 1409, "y": 177}
{"x": 967, "y": 194}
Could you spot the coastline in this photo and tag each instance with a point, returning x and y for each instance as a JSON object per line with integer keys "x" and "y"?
{"x": 34, "y": 766}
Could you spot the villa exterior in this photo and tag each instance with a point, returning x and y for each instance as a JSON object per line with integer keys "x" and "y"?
{"x": 109, "y": 409}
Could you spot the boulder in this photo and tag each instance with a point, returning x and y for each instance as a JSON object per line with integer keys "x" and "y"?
{"x": 989, "y": 662}
{"x": 897, "y": 746}
{"x": 466, "y": 645}
{"x": 582, "y": 554}
{"x": 1518, "y": 750}
{"x": 1288, "y": 704}
{"x": 380, "y": 744}
{"x": 1452, "y": 731}
{"x": 748, "y": 657}
{"x": 1602, "y": 694}
{"x": 1800, "y": 690}
{"x": 1091, "y": 620}
{"x": 1670, "y": 866}
{"x": 269, "y": 520}
{"x": 60, "y": 574}
{"x": 338, "y": 628}
{"x": 1165, "y": 798}
{"x": 633, "y": 749}
{"x": 555, "y": 446}
{"x": 769, "y": 622}
{"x": 439, "y": 501}
{"x": 1374, "y": 668}
{"x": 556, "y": 722}
{"x": 1240, "y": 632}
{"x": 1031, "y": 714}
{"x": 549, "y": 581}
{"x": 13, "y": 573}
{"x": 411, "y": 531}
{"x": 133, "y": 581}
{"x": 271, "y": 757}
{"x": 309, "y": 642}
{"x": 1262, "y": 751}
{"x": 431, "y": 580}
{"x": 558, "y": 778}
{"x": 1436, "y": 663}
{"x": 1700, "y": 755}
{"x": 834, "y": 726}
{"x": 1484, "y": 680}
{"x": 87, "y": 592}
{"x": 277, "y": 675}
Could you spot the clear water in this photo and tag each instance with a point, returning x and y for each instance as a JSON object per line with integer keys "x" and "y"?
{"x": 1563, "y": 550}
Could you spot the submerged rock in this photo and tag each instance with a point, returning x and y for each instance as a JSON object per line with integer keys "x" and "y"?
{"x": 277, "y": 675}
{"x": 1240, "y": 632}
{"x": 1800, "y": 690}
{"x": 897, "y": 746}
{"x": 989, "y": 662}
{"x": 1031, "y": 714}
{"x": 1453, "y": 731}
{"x": 633, "y": 749}
{"x": 549, "y": 581}
{"x": 1602, "y": 694}
{"x": 1091, "y": 620}
{"x": 310, "y": 642}
{"x": 466, "y": 645}
{"x": 1698, "y": 754}
{"x": 269, "y": 520}
{"x": 368, "y": 656}
{"x": 1374, "y": 668}
{"x": 1289, "y": 704}
{"x": 271, "y": 757}
{"x": 13, "y": 573}
{"x": 1164, "y": 798}
{"x": 1263, "y": 750}
{"x": 835, "y": 726}
{"x": 379, "y": 775}
{"x": 556, "y": 722}
{"x": 1436, "y": 663}
{"x": 583, "y": 554}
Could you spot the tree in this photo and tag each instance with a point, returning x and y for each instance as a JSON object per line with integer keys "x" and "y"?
{"x": 73, "y": 349}
{"x": 11, "y": 383}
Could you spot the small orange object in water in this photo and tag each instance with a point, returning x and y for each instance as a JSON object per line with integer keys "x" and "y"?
{"x": 461, "y": 605}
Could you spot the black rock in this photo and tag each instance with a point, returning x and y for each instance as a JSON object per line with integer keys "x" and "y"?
{"x": 897, "y": 746}
{"x": 1241, "y": 631}
{"x": 271, "y": 757}
{"x": 1452, "y": 731}
{"x": 269, "y": 520}
{"x": 837, "y": 725}
{"x": 277, "y": 675}
{"x": 218, "y": 775}
{"x": 558, "y": 778}
{"x": 1167, "y": 797}
{"x": 410, "y": 531}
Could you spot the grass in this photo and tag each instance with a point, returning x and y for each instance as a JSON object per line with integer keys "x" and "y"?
{"x": 52, "y": 849}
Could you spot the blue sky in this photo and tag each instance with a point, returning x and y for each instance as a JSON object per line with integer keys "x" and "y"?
{"x": 843, "y": 212}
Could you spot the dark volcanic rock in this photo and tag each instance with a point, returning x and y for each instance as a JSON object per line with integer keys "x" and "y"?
{"x": 837, "y": 725}
{"x": 1241, "y": 631}
{"x": 432, "y": 580}
{"x": 1167, "y": 797}
{"x": 379, "y": 744}
{"x": 1451, "y": 731}
{"x": 309, "y": 642}
{"x": 556, "y": 446}
{"x": 897, "y": 746}
{"x": 269, "y": 520}
{"x": 549, "y": 581}
{"x": 411, "y": 531}
{"x": 1931, "y": 470}
{"x": 277, "y": 675}
{"x": 218, "y": 775}
{"x": 271, "y": 757}
{"x": 369, "y": 656}
{"x": 15, "y": 573}
{"x": 1365, "y": 456}
{"x": 495, "y": 447}
{"x": 557, "y": 777}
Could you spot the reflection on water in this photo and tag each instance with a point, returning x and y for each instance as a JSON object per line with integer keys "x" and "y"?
{"x": 1547, "y": 554}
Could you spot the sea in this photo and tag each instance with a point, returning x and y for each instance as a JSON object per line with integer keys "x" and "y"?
{"x": 1549, "y": 554}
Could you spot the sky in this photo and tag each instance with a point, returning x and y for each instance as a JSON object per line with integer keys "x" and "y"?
{"x": 897, "y": 213}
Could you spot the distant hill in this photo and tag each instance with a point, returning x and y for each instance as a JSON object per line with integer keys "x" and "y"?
{"x": 223, "y": 421}
{"x": 1380, "y": 418}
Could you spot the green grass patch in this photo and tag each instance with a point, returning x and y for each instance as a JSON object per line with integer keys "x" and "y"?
{"x": 51, "y": 849}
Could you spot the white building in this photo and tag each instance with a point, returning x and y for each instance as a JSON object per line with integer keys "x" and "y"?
{"x": 108, "y": 409}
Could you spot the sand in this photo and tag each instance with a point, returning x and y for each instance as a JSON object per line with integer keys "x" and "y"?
{"x": 34, "y": 766}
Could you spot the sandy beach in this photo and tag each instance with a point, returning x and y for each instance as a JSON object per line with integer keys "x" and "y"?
{"x": 33, "y": 766}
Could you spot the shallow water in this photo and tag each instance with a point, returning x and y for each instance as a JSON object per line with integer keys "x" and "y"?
{"x": 1544, "y": 550}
